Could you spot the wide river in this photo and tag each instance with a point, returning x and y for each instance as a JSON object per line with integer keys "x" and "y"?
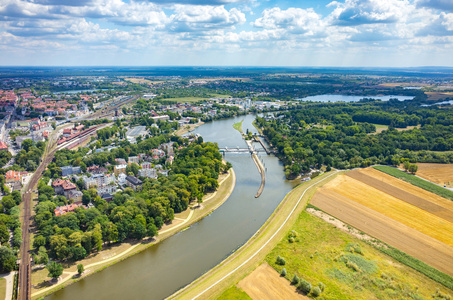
{"x": 164, "y": 268}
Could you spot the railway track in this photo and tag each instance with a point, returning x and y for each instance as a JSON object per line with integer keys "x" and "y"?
{"x": 25, "y": 264}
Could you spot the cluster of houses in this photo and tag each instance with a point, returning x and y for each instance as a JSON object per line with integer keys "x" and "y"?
{"x": 37, "y": 130}
{"x": 105, "y": 183}
{"x": 16, "y": 179}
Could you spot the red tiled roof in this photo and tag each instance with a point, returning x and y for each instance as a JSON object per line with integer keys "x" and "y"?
{"x": 3, "y": 145}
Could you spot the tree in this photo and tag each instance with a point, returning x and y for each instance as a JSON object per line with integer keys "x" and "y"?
{"x": 27, "y": 144}
{"x": 39, "y": 241}
{"x": 413, "y": 168}
{"x": 80, "y": 269}
{"x": 152, "y": 230}
{"x": 55, "y": 269}
{"x": 43, "y": 257}
{"x": 406, "y": 165}
{"x": 7, "y": 259}
{"x": 86, "y": 197}
{"x": 4, "y": 234}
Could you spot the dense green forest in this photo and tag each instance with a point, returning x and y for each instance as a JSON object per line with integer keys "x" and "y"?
{"x": 343, "y": 135}
{"x": 131, "y": 215}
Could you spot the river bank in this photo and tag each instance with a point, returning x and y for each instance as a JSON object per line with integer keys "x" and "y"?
{"x": 41, "y": 285}
{"x": 250, "y": 255}
{"x": 188, "y": 128}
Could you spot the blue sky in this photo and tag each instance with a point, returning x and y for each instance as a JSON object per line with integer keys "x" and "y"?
{"x": 344, "y": 33}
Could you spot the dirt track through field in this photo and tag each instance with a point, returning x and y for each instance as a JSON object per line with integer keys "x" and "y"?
{"x": 419, "y": 245}
{"x": 266, "y": 284}
{"x": 407, "y": 197}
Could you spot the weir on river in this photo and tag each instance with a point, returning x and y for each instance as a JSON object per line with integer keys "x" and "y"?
{"x": 162, "y": 269}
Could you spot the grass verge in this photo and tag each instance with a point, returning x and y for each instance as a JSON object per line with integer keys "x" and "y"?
{"x": 234, "y": 293}
{"x": 414, "y": 180}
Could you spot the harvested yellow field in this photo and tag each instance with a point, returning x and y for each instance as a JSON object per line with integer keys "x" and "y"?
{"x": 408, "y": 188}
{"x": 266, "y": 284}
{"x": 438, "y": 173}
{"x": 398, "y": 209}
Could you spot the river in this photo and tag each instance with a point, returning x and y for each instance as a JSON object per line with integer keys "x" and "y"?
{"x": 164, "y": 268}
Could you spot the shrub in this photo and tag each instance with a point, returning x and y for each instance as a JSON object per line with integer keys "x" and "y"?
{"x": 304, "y": 286}
{"x": 283, "y": 272}
{"x": 281, "y": 261}
{"x": 322, "y": 286}
{"x": 80, "y": 269}
{"x": 316, "y": 292}
{"x": 295, "y": 280}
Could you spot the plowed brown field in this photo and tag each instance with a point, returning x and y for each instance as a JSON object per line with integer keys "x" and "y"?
{"x": 406, "y": 217}
{"x": 266, "y": 284}
{"x": 438, "y": 173}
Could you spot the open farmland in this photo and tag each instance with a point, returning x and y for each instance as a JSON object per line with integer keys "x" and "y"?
{"x": 438, "y": 173}
{"x": 402, "y": 215}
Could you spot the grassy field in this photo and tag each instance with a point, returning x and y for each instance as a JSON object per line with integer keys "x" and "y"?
{"x": 348, "y": 268}
{"x": 395, "y": 208}
{"x": 380, "y": 128}
{"x": 416, "y": 181}
{"x": 234, "y": 293}
{"x": 2, "y": 288}
{"x": 238, "y": 126}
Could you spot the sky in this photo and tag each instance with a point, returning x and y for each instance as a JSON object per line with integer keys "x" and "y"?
{"x": 344, "y": 33}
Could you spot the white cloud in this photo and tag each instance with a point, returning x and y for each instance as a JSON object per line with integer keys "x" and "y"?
{"x": 293, "y": 20}
{"x": 359, "y": 12}
{"x": 204, "y": 18}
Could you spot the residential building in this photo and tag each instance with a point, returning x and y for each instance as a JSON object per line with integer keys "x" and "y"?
{"x": 134, "y": 159}
{"x": 63, "y": 187}
{"x": 75, "y": 195}
{"x": 61, "y": 210}
{"x": 146, "y": 165}
{"x": 120, "y": 161}
{"x": 107, "y": 197}
{"x": 119, "y": 169}
{"x": 98, "y": 180}
{"x": 96, "y": 170}
{"x": 69, "y": 170}
{"x": 134, "y": 183}
{"x": 122, "y": 178}
{"x": 150, "y": 173}
{"x": 110, "y": 189}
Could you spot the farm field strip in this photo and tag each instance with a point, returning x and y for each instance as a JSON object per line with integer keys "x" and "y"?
{"x": 410, "y": 188}
{"x": 394, "y": 208}
{"x": 386, "y": 229}
{"x": 403, "y": 195}
{"x": 441, "y": 174}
